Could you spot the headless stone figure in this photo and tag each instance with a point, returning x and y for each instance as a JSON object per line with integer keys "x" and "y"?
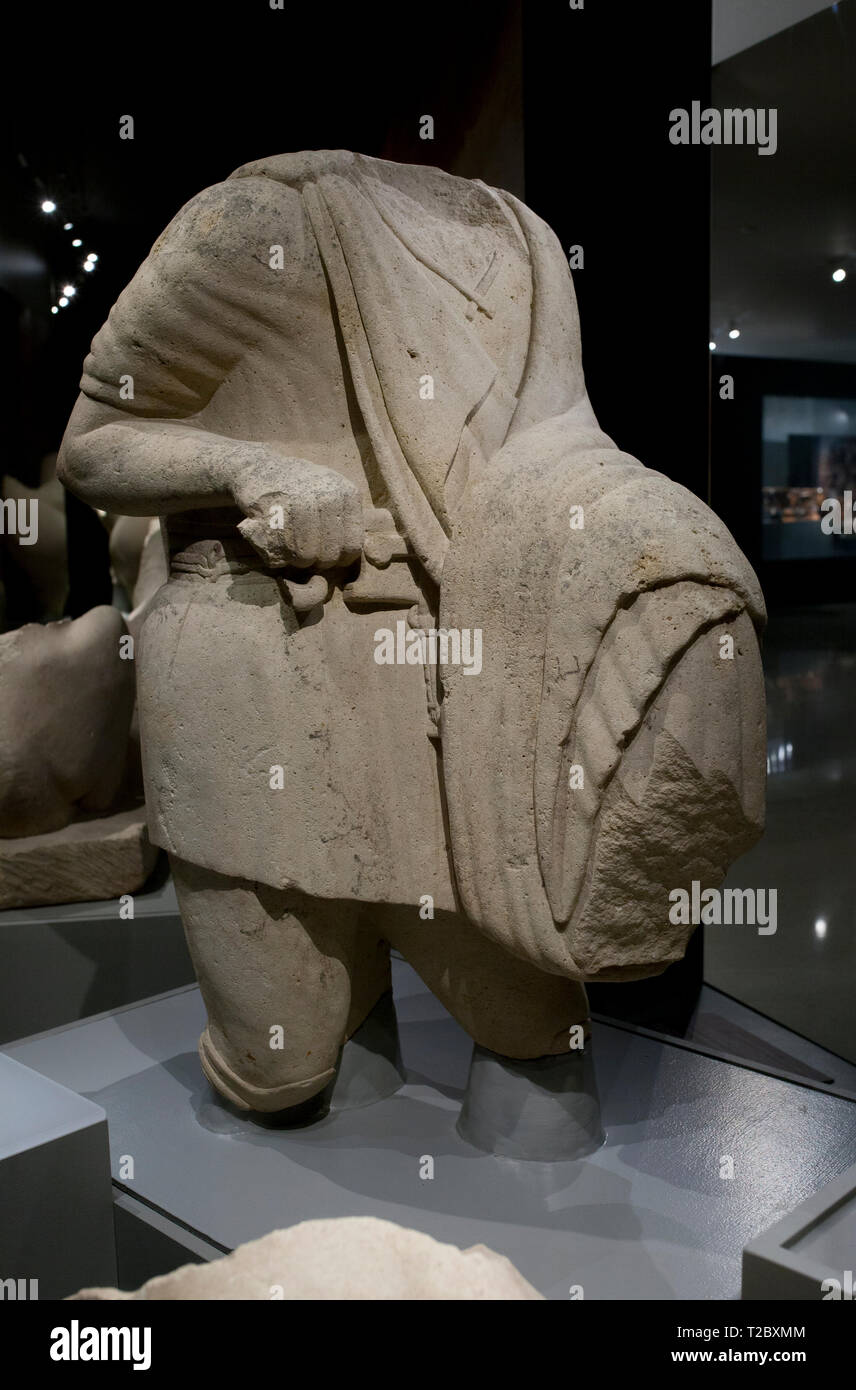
{"x": 359, "y": 411}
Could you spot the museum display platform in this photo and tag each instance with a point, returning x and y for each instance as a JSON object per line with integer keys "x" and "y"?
{"x": 54, "y": 1178}
{"x": 73, "y": 960}
{"x": 647, "y": 1216}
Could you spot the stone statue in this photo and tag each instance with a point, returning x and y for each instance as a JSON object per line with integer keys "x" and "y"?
{"x": 436, "y": 664}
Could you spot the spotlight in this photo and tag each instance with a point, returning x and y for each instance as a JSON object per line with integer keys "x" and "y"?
{"x": 77, "y": 241}
{"x": 839, "y": 275}
{"x": 67, "y": 226}
{"x": 69, "y": 290}
{"x": 712, "y": 346}
{"x": 54, "y": 309}
{"x": 820, "y": 928}
{"x": 734, "y": 333}
{"x": 92, "y": 256}
{"x": 88, "y": 265}
{"x": 63, "y": 301}
{"x": 48, "y": 206}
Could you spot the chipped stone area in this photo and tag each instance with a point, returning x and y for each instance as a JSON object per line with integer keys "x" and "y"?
{"x": 87, "y": 861}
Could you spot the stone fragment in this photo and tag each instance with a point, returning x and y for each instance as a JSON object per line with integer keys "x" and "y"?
{"x": 71, "y": 827}
{"x": 87, "y": 861}
{"x": 351, "y": 1258}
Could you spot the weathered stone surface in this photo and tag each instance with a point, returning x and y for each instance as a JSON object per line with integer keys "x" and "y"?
{"x": 42, "y": 567}
{"x": 127, "y": 540}
{"x": 87, "y": 861}
{"x": 67, "y": 696}
{"x": 153, "y": 569}
{"x": 354, "y": 1257}
{"x": 72, "y": 826}
{"x": 359, "y": 410}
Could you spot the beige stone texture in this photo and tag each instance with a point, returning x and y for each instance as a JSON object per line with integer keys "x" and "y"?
{"x": 351, "y": 1258}
{"x": 42, "y": 567}
{"x": 69, "y": 830}
{"x": 359, "y": 409}
{"x": 87, "y": 861}
{"x": 127, "y": 540}
{"x": 67, "y": 697}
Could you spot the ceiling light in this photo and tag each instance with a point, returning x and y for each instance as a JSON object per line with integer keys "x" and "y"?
{"x": 839, "y": 275}
{"x": 63, "y": 301}
{"x": 48, "y": 206}
{"x": 67, "y": 226}
{"x": 77, "y": 241}
{"x": 69, "y": 290}
{"x": 820, "y": 928}
{"x": 54, "y": 309}
{"x": 88, "y": 265}
{"x": 734, "y": 333}
{"x": 712, "y": 345}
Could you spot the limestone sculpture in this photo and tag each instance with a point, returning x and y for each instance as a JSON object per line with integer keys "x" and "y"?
{"x": 351, "y": 1257}
{"x": 358, "y": 407}
{"x": 72, "y": 828}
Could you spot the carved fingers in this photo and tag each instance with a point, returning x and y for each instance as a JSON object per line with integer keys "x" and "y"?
{"x": 298, "y": 513}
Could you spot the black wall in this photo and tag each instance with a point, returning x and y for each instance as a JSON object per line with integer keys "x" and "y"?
{"x": 599, "y": 84}
{"x": 211, "y": 87}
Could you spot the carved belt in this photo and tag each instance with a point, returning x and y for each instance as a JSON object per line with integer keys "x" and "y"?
{"x": 385, "y": 577}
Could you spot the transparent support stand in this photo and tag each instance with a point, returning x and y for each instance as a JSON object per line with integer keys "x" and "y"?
{"x": 369, "y": 1069}
{"x": 546, "y": 1108}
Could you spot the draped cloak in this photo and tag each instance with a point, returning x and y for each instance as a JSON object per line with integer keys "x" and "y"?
{"x": 448, "y": 310}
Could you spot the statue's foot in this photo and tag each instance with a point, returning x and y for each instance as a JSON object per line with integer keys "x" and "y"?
{"x": 368, "y": 1069}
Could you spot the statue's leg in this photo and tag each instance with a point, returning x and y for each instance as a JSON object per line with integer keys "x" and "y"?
{"x": 286, "y": 979}
{"x": 505, "y": 1004}
{"x": 531, "y": 1091}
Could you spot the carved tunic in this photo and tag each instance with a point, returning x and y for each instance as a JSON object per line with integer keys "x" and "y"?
{"x": 421, "y": 338}
{"x": 390, "y": 346}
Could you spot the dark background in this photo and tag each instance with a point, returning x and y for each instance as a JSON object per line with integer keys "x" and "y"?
{"x": 738, "y": 476}
{"x": 585, "y": 95}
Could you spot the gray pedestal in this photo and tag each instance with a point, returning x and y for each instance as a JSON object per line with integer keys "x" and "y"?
{"x": 545, "y": 1109}
{"x": 56, "y": 1217}
{"x": 647, "y": 1216}
{"x": 72, "y": 960}
{"x": 810, "y": 1254}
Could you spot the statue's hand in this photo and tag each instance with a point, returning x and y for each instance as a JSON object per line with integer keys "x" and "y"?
{"x": 299, "y": 513}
